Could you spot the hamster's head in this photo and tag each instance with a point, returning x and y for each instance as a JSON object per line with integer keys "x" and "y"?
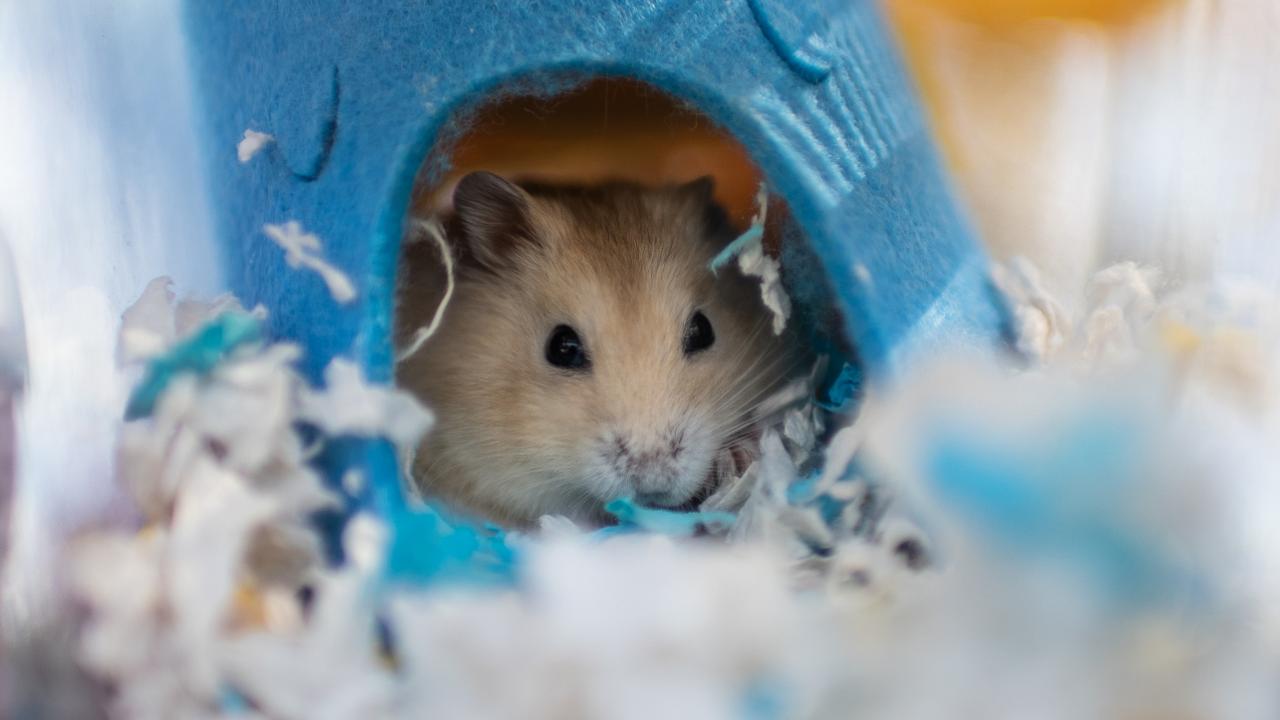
{"x": 589, "y": 352}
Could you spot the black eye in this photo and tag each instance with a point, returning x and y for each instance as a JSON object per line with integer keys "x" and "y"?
{"x": 698, "y": 335}
{"x": 565, "y": 350}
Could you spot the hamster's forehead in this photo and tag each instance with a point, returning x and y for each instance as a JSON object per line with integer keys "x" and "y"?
{"x": 629, "y": 238}
{"x": 631, "y": 248}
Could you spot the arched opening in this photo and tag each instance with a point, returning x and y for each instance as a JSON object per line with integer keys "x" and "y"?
{"x": 600, "y": 130}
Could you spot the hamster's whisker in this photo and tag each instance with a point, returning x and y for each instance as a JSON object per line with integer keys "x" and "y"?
{"x": 746, "y": 345}
{"x": 742, "y": 385}
{"x": 748, "y": 393}
{"x": 742, "y": 410}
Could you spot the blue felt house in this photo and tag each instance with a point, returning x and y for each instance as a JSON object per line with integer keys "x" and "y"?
{"x": 357, "y": 94}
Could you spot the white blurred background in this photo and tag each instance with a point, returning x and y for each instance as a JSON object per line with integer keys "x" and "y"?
{"x": 99, "y": 193}
{"x": 1083, "y": 132}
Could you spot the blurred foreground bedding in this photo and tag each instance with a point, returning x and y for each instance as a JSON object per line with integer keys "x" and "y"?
{"x": 1085, "y": 532}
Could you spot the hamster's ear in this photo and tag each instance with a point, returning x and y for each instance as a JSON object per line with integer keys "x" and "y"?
{"x": 701, "y": 193}
{"x": 493, "y": 217}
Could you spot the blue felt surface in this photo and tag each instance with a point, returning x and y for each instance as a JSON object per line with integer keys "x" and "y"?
{"x": 357, "y": 94}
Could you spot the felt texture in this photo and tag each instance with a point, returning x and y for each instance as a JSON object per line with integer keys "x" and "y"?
{"x": 357, "y": 95}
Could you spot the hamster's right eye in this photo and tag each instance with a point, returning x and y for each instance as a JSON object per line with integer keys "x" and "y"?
{"x": 698, "y": 335}
{"x": 565, "y": 349}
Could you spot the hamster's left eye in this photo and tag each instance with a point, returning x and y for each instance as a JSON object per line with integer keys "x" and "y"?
{"x": 565, "y": 349}
{"x": 698, "y": 335}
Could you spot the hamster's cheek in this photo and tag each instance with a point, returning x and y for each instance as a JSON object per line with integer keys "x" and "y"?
{"x": 559, "y": 409}
{"x": 695, "y": 473}
{"x": 714, "y": 387}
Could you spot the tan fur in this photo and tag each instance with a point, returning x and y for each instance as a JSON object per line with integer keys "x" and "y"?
{"x": 626, "y": 267}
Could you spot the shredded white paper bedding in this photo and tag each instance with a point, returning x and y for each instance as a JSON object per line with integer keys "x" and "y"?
{"x": 872, "y": 585}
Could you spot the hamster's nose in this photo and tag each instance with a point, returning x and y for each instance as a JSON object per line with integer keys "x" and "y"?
{"x": 649, "y": 467}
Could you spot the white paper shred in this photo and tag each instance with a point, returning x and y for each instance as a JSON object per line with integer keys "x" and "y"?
{"x": 733, "y": 485}
{"x": 1122, "y": 298}
{"x": 331, "y": 668}
{"x": 774, "y": 472}
{"x": 714, "y": 625}
{"x": 153, "y": 322}
{"x": 756, "y": 263}
{"x": 432, "y": 229}
{"x": 798, "y": 428}
{"x": 211, "y": 531}
{"x": 251, "y": 144}
{"x": 748, "y": 248}
{"x": 220, "y": 474}
{"x": 1039, "y": 320}
{"x": 147, "y": 326}
{"x": 349, "y": 405}
{"x": 790, "y": 395}
{"x": 841, "y": 449}
{"x": 190, "y": 315}
{"x": 303, "y": 249}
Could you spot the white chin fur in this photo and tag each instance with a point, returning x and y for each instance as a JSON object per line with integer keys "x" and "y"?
{"x": 686, "y": 477}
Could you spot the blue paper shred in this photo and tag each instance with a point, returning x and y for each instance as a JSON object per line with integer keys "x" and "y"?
{"x": 199, "y": 355}
{"x": 838, "y": 395}
{"x": 231, "y": 702}
{"x": 666, "y": 522}
{"x": 735, "y": 248}
{"x": 1056, "y": 497}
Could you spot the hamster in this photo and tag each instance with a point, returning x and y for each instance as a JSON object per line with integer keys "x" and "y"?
{"x": 588, "y": 352}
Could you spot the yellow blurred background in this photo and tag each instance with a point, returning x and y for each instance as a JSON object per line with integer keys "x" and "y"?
{"x": 1013, "y": 13}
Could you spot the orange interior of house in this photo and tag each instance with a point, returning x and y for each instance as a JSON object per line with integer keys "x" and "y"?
{"x": 607, "y": 128}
